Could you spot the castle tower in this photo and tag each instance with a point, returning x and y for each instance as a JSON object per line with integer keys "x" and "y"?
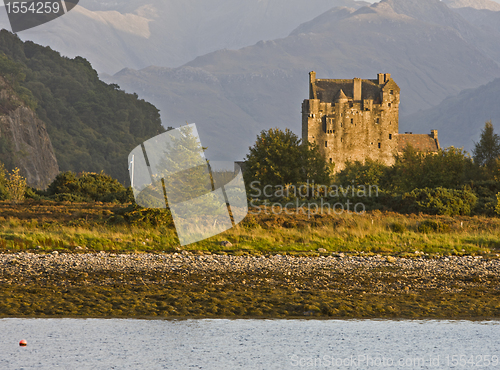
{"x": 352, "y": 119}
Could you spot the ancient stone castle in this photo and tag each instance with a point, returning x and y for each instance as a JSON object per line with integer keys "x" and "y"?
{"x": 357, "y": 119}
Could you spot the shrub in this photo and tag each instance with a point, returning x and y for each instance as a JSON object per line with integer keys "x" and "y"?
{"x": 16, "y": 186}
{"x": 136, "y": 215}
{"x": 486, "y": 196}
{"x": 4, "y": 194}
{"x": 440, "y": 201}
{"x": 67, "y": 186}
{"x": 397, "y": 228}
{"x": 35, "y": 194}
{"x": 429, "y": 226}
{"x": 67, "y": 197}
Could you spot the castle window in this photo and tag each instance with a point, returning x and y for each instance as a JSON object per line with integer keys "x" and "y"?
{"x": 326, "y": 144}
{"x": 352, "y": 121}
{"x": 331, "y": 160}
{"x": 377, "y": 121}
{"x": 390, "y": 136}
{"x": 379, "y": 145}
{"x": 389, "y": 105}
{"x": 391, "y": 92}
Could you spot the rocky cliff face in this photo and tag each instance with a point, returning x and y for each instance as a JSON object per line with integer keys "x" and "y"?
{"x": 24, "y": 141}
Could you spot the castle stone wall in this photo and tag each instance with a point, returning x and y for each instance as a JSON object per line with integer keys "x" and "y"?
{"x": 358, "y": 123}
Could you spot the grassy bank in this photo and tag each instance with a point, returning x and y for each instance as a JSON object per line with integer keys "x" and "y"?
{"x": 78, "y": 227}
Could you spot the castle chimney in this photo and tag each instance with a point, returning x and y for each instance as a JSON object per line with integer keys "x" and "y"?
{"x": 434, "y": 134}
{"x": 312, "y": 81}
{"x": 381, "y": 77}
{"x": 312, "y": 77}
{"x": 387, "y": 77}
{"x": 357, "y": 89}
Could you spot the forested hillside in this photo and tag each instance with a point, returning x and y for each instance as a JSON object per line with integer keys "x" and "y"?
{"x": 92, "y": 125}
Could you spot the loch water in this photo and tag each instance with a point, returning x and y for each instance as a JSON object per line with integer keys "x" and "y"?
{"x": 248, "y": 344}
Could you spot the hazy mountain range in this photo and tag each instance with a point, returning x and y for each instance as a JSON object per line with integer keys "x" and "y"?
{"x": 460, "y": 118}
{"x": 140, "y": 33}
{"x": 474, "y": 4}
{"x": 432, "y": 52}
{"x": 433, "y": 49}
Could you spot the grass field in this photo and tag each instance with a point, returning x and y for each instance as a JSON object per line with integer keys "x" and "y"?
{"x": 83, "y": 227}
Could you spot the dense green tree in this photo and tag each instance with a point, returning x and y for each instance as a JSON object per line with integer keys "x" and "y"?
{"x": 407, "y": 170}
{"x": 448, "y": 168}
{"x": 368, "y": 173}
{"x": 15, "y": 73}
{"x": 279, "y": 158}
{"x": 487, "y": 150}
{"x": 10, "y": 70}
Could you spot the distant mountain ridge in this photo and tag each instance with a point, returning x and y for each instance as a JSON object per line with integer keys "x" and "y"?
{"x": 460, "y": 118}
{"x": 474, "y": 4}
{"x": 169, "y": 33}
{"x": 486, "y": 20}
{"x": 430, "y": 50}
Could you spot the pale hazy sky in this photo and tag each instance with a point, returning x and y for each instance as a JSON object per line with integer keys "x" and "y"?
{"x": 369, "y": 1}
{"x": 372, "y": 1}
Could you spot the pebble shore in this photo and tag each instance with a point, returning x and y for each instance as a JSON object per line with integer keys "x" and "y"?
{"x": 209, "y": 285}
{"x": 424, "y": 271}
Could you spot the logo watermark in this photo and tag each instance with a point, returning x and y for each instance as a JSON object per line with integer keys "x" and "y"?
{"x": 24, "y": 15}
{"x": 365, "y": 361}
{"x": 310, "y": 198}
{"x": 205, "y": 198}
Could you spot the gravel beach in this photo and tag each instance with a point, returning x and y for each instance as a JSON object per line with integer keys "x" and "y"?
{"x": 425, "y": 272}
{"x": 338, "y": 277}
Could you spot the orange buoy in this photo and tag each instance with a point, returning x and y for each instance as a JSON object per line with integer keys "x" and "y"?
{"x": 23, "y": 343}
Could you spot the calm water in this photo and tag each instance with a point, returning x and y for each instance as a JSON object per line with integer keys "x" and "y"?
{"x": 248, "y": 344}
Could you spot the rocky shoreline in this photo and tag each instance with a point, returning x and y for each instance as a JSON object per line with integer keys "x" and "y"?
{"x": 31, "y": 265}
{"x": 270, "y": 286}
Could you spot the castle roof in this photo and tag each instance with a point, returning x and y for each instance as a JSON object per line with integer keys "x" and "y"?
{"x": 328, "y": 90}
{"x": 421, "y": 142}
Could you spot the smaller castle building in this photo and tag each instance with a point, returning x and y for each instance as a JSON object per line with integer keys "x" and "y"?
{"x": 352, "y": 120}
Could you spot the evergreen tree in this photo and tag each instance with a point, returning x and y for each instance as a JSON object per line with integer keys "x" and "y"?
{"x": 487, "y": 150}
